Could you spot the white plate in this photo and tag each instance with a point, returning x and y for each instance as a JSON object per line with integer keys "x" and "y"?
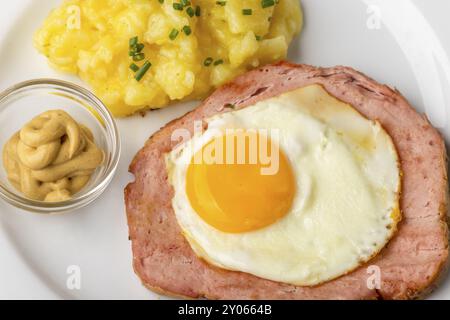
{"x": 408, "y": 49}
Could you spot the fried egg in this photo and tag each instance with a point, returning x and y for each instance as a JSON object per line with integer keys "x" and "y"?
{"x": 318, "y": 198}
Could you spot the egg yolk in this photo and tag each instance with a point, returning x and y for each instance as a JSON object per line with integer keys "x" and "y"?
{"x": 236, "y": 196}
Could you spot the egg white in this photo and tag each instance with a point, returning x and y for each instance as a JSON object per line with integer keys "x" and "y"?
{"x": 346, "y": 206}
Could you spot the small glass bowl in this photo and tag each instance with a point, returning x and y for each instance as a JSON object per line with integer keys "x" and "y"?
{"x": 22, "y": 102}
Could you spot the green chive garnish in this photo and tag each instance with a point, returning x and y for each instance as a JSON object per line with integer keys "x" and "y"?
{"x": 198, "y": 11}
{"x": 247, "y": 12}
{"x": 190, "y": 11}
{"x": 187, "y": 30}
{"x": 138, "y": 57}
{"x": 161, "y": 1}
{"x": 139, "y": 47}
{"x": 267, "y": 3}
{"x": 208, "y": 61}
{"x": 173, "y": 34}
{"x": 258, "y": 38}
{"x": 134, "y": 67}
{"x": 142, "y": 71}
{"x": 185, "y": 3}
{"x": 134, "y": 41}
{"x": 178, "y": 6}
{"x": 221, "y": 3}
{"x": 217, "y": 62}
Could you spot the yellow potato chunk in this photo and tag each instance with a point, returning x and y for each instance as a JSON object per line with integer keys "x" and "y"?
{"x": 193, "y": 46}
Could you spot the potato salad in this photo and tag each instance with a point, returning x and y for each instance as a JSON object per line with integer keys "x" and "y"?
{"x": 145, "y": 54}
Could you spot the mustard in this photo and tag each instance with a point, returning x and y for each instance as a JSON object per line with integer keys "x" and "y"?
{"x": 52, "y": 157}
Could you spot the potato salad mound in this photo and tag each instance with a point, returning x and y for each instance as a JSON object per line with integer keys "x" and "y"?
{"x": 144, "y": 54}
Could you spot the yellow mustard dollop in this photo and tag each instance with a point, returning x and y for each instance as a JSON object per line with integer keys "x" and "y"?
{"x": 52, "y": 157}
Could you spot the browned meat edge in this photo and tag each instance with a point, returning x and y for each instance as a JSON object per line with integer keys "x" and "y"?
{"x": 410, "y": 264}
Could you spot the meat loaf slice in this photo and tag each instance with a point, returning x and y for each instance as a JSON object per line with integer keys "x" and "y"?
{"x": 409, "y": 264}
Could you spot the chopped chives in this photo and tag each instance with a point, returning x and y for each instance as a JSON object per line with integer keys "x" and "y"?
{"x": 138, "y": 57}
{"x": 134, "y": 41}
{"x": 185, "y": 3}
{"x": 258, "y": 38}
{"x": 139, "y": 47}
{"x": 142, "y": 71}
{"x": 134, "y": 67}
{"x": 221, "y": 3}
{"x": 267, "y": 3}
{"x": 218, "y": 62}
{"x": 247, "y": 12}
{"x": 178, "y": 6}
{"x": 190, "y": 11}
{"x": 187, "y": 30}
{"x": 198, "y": 11}
{"x": 173, "y": 34}
{"x": 208, "y": 61}
{"x": 161, "y": 1}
